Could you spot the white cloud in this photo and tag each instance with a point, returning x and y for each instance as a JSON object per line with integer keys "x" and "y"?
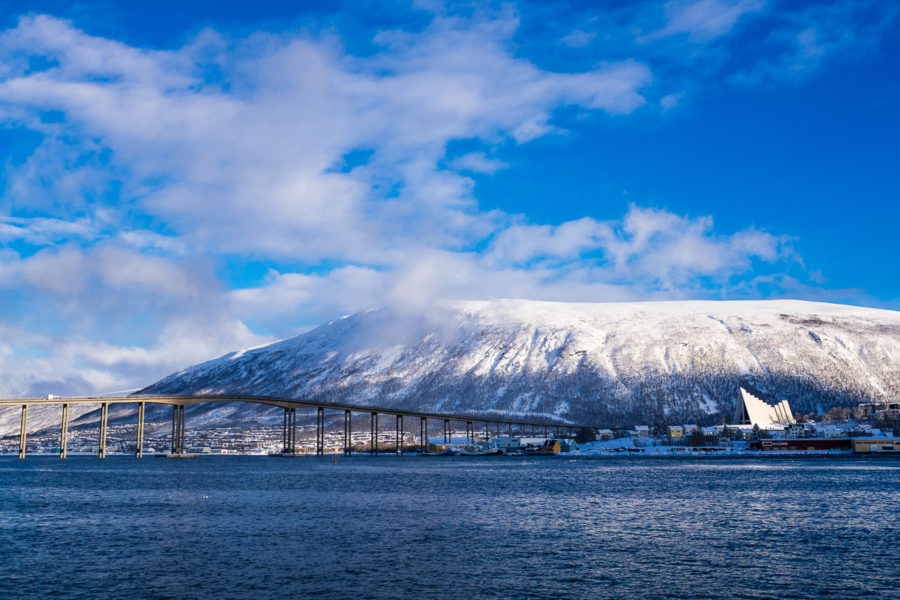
{"x": 670, "y": 101}
{"x": 43, "y": 231}
{"x": 698, "y": 44}
{"x": 248, "y": 169}
{"x": 285, "y": 296}
{"x": 477, "y": 162}
{"x": 524, "y": 243}
{"x": 246, "y": 164}
{"x": 800, "y": 40}
{"x": 578, "y": 38}
{"x": 648, "y": 249}
{"x": 646, "y": 254}
{"x": 328, "y": 167}
{"x": 69, "y": 270}
{"x": 704, "y": 20}
{"x": 38, "y": 364}
{"x": 672, "y": 251}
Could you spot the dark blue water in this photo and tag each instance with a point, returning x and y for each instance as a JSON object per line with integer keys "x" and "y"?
{"x": 258, "y": 527}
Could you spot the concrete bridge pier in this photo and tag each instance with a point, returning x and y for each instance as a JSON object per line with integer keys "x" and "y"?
{"x": 320, "y": 431}
{"x": 104, "y": 416}
{"x": 139, "y": 446}
{"x": 446, "y": 431}
{"x": 181, "y": 433}
{"x": 373, "y": 434}
{"x": 22, "y": 429}
{"x": 423, "y": 434}
{"x": 177, "y": 429}
{"x": 293, "y": 430}
{"x": 289, "y": 431}
{"x": 64, "y": 431}
{"x": 174, "y": 427}
{"x": 284, "y": 431}
{"x": 399, "y": 435}
{"x": 347, "y": 433}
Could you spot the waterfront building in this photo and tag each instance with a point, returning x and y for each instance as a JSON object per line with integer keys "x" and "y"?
{"x": 519, "y": 442}
{"x": 604, "y": 434}
{"x": 867, "y": 445}
{"x": 567, "y": 445}
{"x": 712, "y": 431}
{"x": 830, "y": 431}
{"x": 870, "y": 409}
{"x": 802, "y": 444}
{"x": 795, "y": 430}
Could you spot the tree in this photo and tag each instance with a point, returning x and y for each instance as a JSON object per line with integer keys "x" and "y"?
{"x": 696, "y": 438}
{"x": 888, "y": 421}
{"x": 838, "y": 413}
{"x": 584, "y": 435}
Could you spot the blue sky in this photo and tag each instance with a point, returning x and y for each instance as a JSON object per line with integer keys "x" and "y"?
{"x": 182, "y": 179}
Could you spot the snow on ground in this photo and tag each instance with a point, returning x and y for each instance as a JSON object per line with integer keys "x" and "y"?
{"x": 589, "y": 363}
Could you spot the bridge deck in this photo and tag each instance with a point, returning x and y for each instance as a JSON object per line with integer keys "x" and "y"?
{"x": 289, "y": 431}
{"x": 183, "y": 400}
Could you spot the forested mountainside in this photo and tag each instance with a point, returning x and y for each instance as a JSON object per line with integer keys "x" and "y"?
{"x": 605, "y": 363}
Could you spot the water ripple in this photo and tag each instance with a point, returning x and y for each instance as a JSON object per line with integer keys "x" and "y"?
{"x": 250, "y": 527}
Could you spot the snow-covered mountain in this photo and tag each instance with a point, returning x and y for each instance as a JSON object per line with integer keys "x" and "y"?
{"x": 609, "y": 363}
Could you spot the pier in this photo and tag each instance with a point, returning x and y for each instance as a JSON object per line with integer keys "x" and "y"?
{"x": 289, "y": 428}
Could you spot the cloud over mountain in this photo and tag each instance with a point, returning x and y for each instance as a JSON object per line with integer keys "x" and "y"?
{"x": 162, "y": 203}
{"x": 602, "y": 363}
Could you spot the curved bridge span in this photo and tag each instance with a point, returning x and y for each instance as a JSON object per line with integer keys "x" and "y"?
{"x": 289, "y": 430}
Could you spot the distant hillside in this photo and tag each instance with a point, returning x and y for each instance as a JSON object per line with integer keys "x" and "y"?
{"x": 611, "y": 363}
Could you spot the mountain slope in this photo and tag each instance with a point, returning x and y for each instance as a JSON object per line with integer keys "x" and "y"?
{"x": 612, "y": 363}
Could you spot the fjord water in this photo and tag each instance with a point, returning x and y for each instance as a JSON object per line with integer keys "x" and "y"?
{"x": 413, "y": 527}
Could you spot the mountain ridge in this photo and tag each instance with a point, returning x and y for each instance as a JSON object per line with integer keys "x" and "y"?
{"x": 617, "y": 363}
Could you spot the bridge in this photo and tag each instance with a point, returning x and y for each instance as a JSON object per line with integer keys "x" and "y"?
{"x": 289, "y": 429}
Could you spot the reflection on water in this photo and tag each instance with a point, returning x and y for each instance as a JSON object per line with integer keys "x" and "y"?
{"x": 254, "y": 527}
